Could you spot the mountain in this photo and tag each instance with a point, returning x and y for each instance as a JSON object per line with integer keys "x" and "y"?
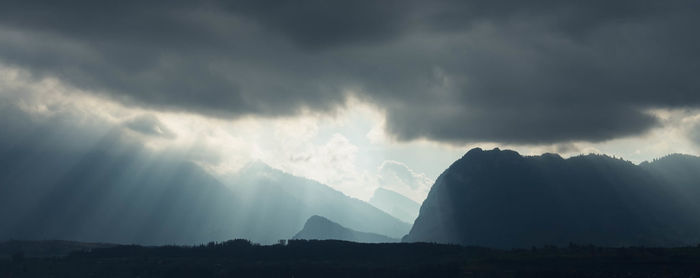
{"x": 288, "y": 201}
{"x": 320, "y": 228}
{"x": 395, "y": 204}
{"x": 680, "y": 172}
{"x": 127, "y": 195}
{"x": 117, "y": 196}
{"x": 504, "y": 200}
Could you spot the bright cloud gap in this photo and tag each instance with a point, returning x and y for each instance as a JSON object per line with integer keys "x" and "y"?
{"x": 348, "y": 149}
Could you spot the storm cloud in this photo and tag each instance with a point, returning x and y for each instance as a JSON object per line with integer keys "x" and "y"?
{"x": 454, "y": 71}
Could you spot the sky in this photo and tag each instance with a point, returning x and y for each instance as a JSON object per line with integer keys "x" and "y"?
{"x": 354, "y": 94}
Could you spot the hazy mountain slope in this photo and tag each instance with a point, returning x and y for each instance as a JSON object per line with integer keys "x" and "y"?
{"x": 501, "y": 199}
{"x": 123, "y": 194}
{"x": 680, "y": 172}
{"x": 112, "y": 196}
{"x": 304, "y": 198}
{"x": 395, "y": 204}
{"x": 321, "y": 228}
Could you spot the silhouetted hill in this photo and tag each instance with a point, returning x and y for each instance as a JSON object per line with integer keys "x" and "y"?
{"x": 318, "y": 227}
{"x": 395, "y": 204}
{"x": 501, "y": 199}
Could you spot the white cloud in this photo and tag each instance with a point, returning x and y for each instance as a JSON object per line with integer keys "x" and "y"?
{"x": 333, "y": 162}
{"x": 399, "y": 177}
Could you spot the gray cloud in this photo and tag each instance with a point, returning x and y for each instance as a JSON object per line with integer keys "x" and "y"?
{"x": 454, "y": 71}
{"x": 149, "y": 125}
{"x": 61, "y": 129}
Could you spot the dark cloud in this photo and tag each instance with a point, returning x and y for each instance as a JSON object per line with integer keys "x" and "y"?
{"x": 455, "y": 71}
{"x": 319, "y": 24}
{"x": 59, "y": 129}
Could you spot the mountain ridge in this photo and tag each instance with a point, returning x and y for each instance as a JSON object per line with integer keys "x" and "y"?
{"x": 320, "y": 199}
{"x": 499, "y": 198}
{"x": 133, "y": 197}
{"x": 395, "y": 204}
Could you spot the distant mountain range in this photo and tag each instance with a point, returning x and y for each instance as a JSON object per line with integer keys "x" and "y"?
{"x": 272, "y": 196}
{"x": 501, "y": 199}
{"x": 128, "y": 196}
{"x": 321, "y": 228}
{"x": 395, "y": 204}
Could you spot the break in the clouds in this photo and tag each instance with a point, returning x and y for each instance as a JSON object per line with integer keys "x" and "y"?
{"x": 398, "y": 177}
{"x": 452, "y": 71}
{"x": 397, "y": 173}
{"x": 50, "y": 121}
